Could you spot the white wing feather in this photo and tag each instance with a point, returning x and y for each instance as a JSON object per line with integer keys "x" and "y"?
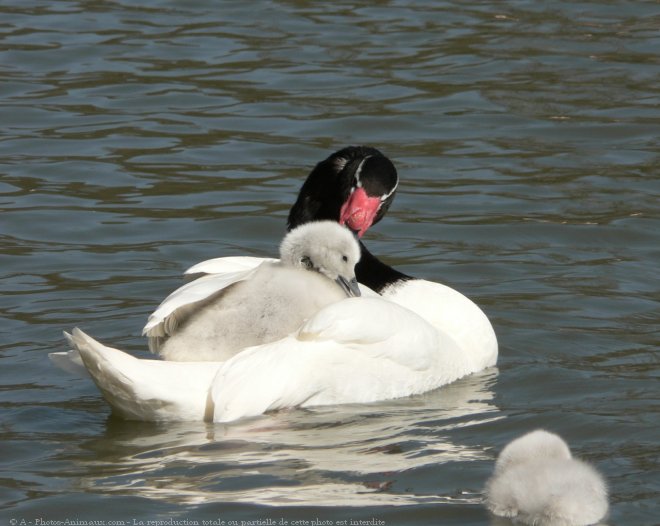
{"x": 69, "y": 361}
{"x": 164, "y": 319}
{"x": 355, "y": 351}
{"x": 448, "y": 310}
{"x": 149, "y": 390}
{"x": 226, "y": 264}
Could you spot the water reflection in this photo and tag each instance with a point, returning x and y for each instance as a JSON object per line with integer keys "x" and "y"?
{"x": 327, "y": 456}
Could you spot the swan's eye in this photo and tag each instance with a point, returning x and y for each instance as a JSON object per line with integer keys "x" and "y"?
{"x": 306, "y": 262}
{"x": 344, "y": 259}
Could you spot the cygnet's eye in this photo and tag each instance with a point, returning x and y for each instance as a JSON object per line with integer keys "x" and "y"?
{"x": 306, "y": 262}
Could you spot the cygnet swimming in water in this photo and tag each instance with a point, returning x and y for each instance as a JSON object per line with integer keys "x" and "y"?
{"x": 260, "y": 305}
{"x": 537, "y": 482}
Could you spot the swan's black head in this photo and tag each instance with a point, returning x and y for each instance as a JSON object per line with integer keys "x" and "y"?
{"x": 354, "y": 186}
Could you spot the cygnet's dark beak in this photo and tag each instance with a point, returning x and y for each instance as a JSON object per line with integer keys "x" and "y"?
{"x": 349, "y": 286}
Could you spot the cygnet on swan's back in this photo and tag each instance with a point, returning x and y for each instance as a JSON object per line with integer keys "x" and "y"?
{"x": 316, "y": 268}
{"x": 537, "y": 482}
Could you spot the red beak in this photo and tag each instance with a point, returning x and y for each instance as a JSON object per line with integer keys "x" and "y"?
{"x": 359, "y": 210}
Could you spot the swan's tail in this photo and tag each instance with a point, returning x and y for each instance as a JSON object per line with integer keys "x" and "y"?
{"x": 69, "y": 361}
{"x": 148, "y": 390}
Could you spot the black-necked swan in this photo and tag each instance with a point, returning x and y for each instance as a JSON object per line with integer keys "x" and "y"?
{"x": 536, "y": 481}
{"x": 355, "y": 186}
{"x": 261, "y": 304}
{"x": 355, "y": 350}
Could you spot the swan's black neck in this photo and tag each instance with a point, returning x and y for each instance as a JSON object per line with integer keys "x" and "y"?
{"x": 328, "y": 187}
{"x": 375, "y": 274}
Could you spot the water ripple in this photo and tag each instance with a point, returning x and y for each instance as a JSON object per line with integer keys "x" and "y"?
{"x": 139, "y": 139}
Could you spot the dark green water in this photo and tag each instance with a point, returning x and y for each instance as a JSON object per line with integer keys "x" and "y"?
{"x": 138, "y": 138}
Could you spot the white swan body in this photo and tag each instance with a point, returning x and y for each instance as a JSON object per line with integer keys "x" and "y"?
{"x": 148, "y": 390}
{"x": 450, "y": 312}
{"x": 218, "y": 315}
{"x": 537, "y": 482}
{"x": 446, "y": 309}
{"x": 357, "y": 350}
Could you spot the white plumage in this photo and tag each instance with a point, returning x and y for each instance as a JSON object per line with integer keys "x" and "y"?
{"x": 450, "y": 312}
{"x": 446, "y": 309}
{"x": 216, "y": 316}
{"x": 353, "y": 351}
{"x": 149, "y": 390}
{"x": 537, "y": 482}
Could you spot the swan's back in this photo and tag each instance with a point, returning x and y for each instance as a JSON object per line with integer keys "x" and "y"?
{"x": 267, "y": 303}
{"x": 272, "y": 304}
